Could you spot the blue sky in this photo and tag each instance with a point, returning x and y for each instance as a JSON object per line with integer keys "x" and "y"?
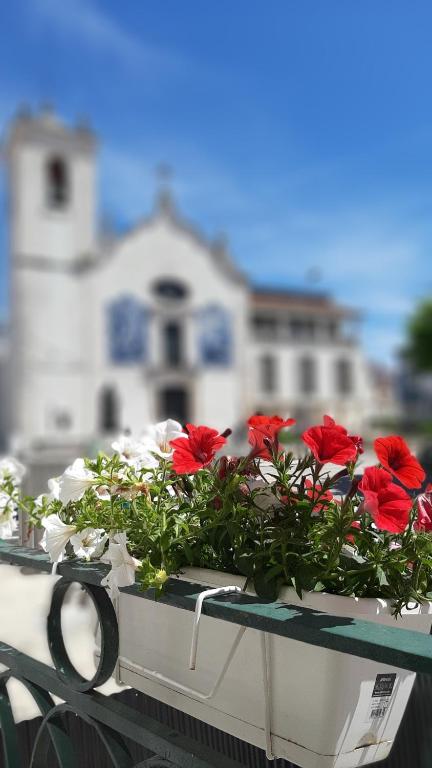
{"x": 301, "y": 128}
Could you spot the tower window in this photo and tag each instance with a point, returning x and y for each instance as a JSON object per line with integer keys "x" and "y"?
{"x": 307, "y": 375}
{"x": 57, "y": 183}
{"x": 344, "y": 376}
{"x": 268, "y": 373}
{"x": 109, "y": 420}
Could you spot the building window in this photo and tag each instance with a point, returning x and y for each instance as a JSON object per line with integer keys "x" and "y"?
{"x": 307, "y": 375}
{"x": 57, "y": 182}
{"x": 215, "y": 335}
{"x": 268, "y": 373}
{"x": 297, "y": 328}
{"x": 63, "y": 421}
{"x": 127, "y": 330}
{"x": 170, "y": 289}
{"x": 265, "y": 327}
{"x": 332, "y": 329}
{"x": 109, "y": 410}
{"x": 344, "y": 382}
{"x": 172, "y": 344}
{"x": 174, "y": 404}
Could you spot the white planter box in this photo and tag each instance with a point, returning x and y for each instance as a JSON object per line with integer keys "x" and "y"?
{"x": 324, "y": 713}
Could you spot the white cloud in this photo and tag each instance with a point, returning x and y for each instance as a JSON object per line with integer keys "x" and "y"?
{"x": 96, "y": 29}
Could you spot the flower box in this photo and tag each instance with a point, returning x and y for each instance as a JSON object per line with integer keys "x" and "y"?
{"x": 352, "y": 544}
{"x": 325, "y": 707}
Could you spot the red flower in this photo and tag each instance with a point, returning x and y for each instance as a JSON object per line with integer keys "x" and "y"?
{"x": 265, "y": 428}
{"x": 227, "y": 466}
{"x": 322, "y": 499}
{"x": 394, "y": 454}
{"x": 387, "y": 502}
{"x": 424, "y": 511}
{"x": 350, "y": 536}
{"x": 356, "y": 439}
{"x": 197, "y": 450}
{"x": 330, "y": 443}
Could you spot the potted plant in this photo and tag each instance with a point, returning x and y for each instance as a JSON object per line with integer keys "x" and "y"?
{"x": 309, "y": 530}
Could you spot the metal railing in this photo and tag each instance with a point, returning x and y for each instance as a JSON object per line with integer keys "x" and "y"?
{"x": 113, "y": 722}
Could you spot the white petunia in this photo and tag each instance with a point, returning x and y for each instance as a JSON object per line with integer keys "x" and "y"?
{"x": 89, "y": 542}
{"x": 7, "y": 527}
{"x": 54, "y": 492}
{"x": 54, "y": 488}
{"x": 7, "y": 522}
{"x": 10, "y": 467}
{"x": 123, "y": 565}
{"x": 127, "y": 447}
{"x": 161, "y": 435}
{"x": 56, "y": 536}
{"x": 136, "y": 453}
{"x": 74, "y": 482}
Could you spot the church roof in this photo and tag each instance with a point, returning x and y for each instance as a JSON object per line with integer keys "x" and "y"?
{"x": 166, "y": 209}
{"x": 298, "y": 301}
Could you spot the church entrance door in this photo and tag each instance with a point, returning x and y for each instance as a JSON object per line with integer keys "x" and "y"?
{"x": 174, "y": 404}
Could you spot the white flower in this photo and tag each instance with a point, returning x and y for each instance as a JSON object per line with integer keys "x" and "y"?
{"x": 136, "y": 453}
{"x": 7, "y": 522}
{"x": 54, "y": 488}
{"x": 56, "y": 536}
{"x": 54, "y": 492}
{"x": 161, "y": 435}
{"x": 10, "y": 467}
{"x": 89, "y": 542}
{"x": 127, "y": 447}
{"x": 7, "y": 528}
{"x": 123, "y": 565}
{"x": 74, "y": 481}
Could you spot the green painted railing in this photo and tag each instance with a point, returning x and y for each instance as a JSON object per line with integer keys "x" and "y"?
{"x": 112, "y": 719}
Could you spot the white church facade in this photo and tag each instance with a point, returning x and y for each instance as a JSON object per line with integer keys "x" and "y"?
{"x": 157, "y": 323}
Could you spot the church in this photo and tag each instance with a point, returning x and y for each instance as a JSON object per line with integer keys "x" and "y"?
{"x": 111, "y": 334}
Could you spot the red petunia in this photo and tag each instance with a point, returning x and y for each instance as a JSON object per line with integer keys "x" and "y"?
{"x": 265, "y": 428}
{"x": 197, "y": 450}
{"x": 424, "y": 511}
{"x": 387, "y": 502}
{"x": 351, "y": 536}
{"x": 330, "y": 443}
{"x": 394, "y": 454}
{"x": 322, "y": 499}
{"x": 356, "y": 439}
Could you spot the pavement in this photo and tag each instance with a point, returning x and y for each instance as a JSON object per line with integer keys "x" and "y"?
{"x": 24, "y": 604}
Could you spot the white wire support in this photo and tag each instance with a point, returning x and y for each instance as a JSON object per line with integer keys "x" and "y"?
{"x": 266, "y": 676}
{"x": 115, "y": 602}
{"x": 197, "y": 616}
{"x": 180, "y": 687}
{"x": 200, "y": 695}
{"x": 175, "y": 684}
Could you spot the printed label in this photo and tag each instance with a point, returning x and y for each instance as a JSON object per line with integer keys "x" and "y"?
{"x": 381, "y": 695}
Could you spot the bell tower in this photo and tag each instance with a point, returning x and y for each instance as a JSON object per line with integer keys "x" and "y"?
{"x": 52, "y": 224}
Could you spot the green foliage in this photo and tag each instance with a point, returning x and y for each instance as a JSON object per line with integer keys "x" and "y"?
{"x": 276, "y": 523}
{"x": 419, "y": 349}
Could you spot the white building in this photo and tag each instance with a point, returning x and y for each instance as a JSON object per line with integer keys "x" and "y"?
{"x": 158, "y": 323}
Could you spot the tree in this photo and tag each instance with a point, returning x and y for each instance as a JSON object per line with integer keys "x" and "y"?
{"x": 419, "y": 348}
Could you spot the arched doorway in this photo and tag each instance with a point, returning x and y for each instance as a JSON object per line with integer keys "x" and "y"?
{"x": 174, "y": 403}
